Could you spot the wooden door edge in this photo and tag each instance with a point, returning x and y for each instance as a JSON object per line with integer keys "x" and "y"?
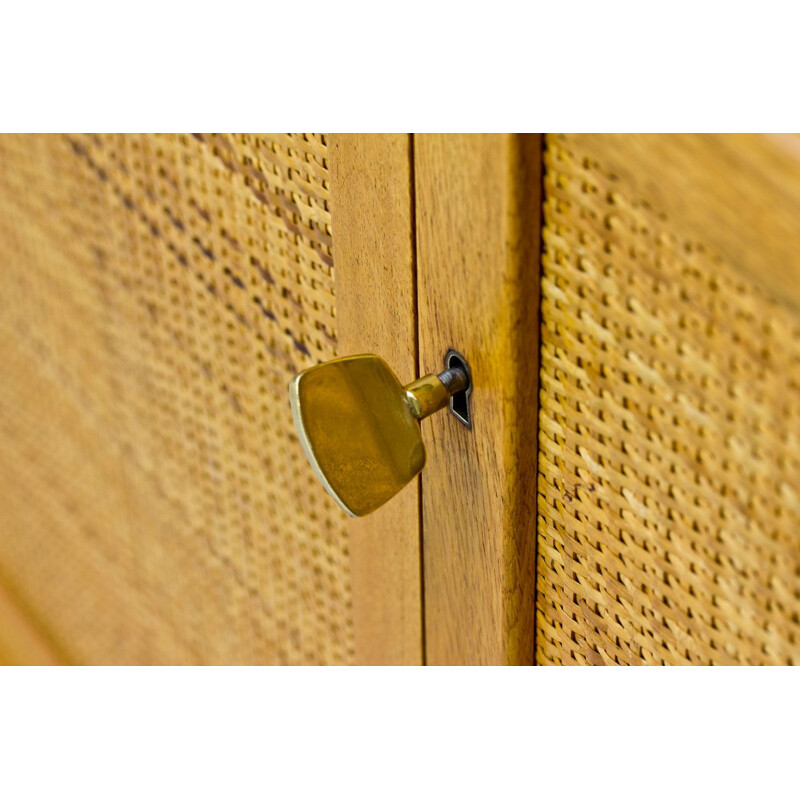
{"x": 372, "y": 222}
{"x": 478, "y": 223}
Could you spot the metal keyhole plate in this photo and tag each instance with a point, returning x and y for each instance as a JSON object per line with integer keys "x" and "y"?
{"x": 460, "y": 401}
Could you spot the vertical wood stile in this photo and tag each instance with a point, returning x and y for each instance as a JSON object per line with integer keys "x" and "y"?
{"x": 372, "y": 216}
{"x": 478, "y": 221}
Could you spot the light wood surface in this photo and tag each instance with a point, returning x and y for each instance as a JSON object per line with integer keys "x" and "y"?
{"x": 371, "y": 196}
{"x": 21, "y": 641}
{"x": 477, "y": 211}
{"x": 738, "y": 193}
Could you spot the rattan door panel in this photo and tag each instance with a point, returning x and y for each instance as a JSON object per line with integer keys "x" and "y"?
{"x": 669, "y": 430}
{"x": 157, "y": 294}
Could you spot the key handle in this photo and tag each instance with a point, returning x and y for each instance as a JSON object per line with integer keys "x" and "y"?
{"x": 359, "y": 426}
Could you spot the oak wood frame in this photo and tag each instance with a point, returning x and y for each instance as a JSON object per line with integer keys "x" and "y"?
{"x": 372, "y": 217}
{"x": 478, "y": 226}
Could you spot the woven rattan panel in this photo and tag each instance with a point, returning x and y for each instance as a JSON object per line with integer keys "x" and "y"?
{"x": 669, "y": 463}
{"x": 157, "y": 294}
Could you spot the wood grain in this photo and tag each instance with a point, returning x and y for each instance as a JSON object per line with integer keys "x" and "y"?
{"x": 21, "y": 641}
{"x": 739, "y": 193}
{"x": 478, "y": 213}
{"x": 372, "y": 208}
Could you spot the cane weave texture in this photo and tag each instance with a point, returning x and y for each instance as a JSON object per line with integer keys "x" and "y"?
{"x": 669, "y": 460}
{"x": 157, "y": 295}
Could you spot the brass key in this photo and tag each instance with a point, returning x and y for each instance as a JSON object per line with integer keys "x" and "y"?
{"x": 359, "y": 426}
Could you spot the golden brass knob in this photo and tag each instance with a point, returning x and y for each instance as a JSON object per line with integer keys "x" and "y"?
{"x": 359, "y": 426}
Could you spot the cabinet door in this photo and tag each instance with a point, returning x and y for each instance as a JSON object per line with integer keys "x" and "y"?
{"x": 158, "y": 294}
